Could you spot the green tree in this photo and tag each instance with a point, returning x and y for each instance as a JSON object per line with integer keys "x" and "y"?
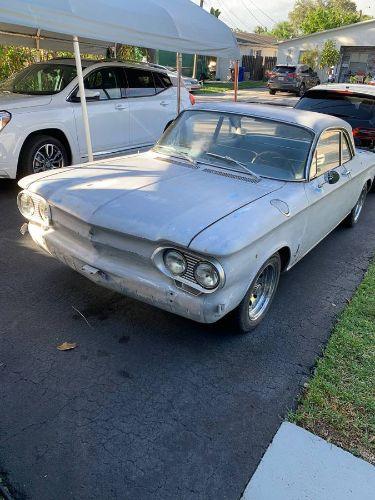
{"x": 321, "y": 19}
{"x": 311, "y": 58}
{"x": 310, "y": 16}
{"x": 330, "y": 55}
{"x": 260, "y": 30}
{"x": 283, "y": 31}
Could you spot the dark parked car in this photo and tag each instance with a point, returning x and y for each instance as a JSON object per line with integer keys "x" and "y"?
{"x": 354, "y": 103}
{"x": 296, "y": 79}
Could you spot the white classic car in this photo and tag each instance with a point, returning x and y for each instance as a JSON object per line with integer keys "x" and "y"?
{"x": 205, "y": 222}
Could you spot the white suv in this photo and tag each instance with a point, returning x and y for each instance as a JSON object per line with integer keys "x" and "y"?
{"x": 41, "y": 126}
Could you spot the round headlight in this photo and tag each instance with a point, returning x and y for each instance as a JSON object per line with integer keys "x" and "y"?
{"x": 175, "y": 262}
{"x": 206, "y": 275}
{"x": 26, "y": 205}
{"x": 43, "y": 209}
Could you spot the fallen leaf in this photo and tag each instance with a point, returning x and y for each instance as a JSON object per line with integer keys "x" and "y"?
{"x": 66, "y": 346}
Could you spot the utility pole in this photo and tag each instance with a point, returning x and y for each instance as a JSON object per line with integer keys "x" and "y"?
{"x": 195, "y": 55}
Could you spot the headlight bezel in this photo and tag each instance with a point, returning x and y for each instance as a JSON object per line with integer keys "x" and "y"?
{"x": 39, "y": 203}
{"x": 188, "y": 280}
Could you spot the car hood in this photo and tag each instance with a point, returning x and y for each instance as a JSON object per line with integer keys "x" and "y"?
{"x": 148, "y": 195}
{"x": 9, "y": 101}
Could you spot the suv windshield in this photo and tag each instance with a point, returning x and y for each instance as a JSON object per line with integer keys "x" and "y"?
{"x": 247, "y": 144}
{"x": 40, "y": 79}
{"x": 284, "y": 69}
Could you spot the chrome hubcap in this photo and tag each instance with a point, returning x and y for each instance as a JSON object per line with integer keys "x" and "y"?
{"x": 359, "y": 205}
{"x": 262, "y": 291}
{"x": 47, "y": 157}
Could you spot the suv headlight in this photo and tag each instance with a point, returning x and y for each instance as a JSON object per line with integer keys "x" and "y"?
{"x": 5, "y": 118}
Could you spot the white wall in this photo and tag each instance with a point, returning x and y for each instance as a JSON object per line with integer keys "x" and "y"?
{"x": 360, "y": 35}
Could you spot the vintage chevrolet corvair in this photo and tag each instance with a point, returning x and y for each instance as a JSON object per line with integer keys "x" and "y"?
{"x": 205, "y": 222}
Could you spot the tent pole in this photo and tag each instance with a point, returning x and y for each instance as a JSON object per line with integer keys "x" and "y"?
{"x": 81, "y": 86}
{"x": 178, "y": 64}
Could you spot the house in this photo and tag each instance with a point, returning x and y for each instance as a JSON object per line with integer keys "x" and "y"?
{"x": 251, "y": 45}
{"x": 356, "y": 43}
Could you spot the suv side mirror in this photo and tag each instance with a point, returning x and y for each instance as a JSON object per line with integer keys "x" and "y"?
{"x": 91, "y": 95}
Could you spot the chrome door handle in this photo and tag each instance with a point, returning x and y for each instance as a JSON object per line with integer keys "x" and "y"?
{"x": 164, "y": 103}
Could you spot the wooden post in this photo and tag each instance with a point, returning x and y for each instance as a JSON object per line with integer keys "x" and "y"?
{"x": 235, "y": 83}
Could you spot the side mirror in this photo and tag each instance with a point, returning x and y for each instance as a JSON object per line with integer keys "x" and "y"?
{"x": 332, "y": 177}
{"x": 91, "y": 95}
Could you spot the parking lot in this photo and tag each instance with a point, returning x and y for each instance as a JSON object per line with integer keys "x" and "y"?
{"x": 150, "y": 405}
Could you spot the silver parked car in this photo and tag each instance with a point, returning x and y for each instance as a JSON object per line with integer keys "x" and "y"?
{"x": 205, "y": 222}
{"x": 296, "y": 79}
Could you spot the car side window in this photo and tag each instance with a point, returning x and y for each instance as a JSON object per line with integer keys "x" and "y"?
{"x": 162, "y": 81}
{"x": 327, "y": 153}
{"x": 107, "y": 81}
{"x": 140, "y": 83}
{"x": 346, "y": 154}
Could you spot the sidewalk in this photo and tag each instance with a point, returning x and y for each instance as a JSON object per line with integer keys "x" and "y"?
{"x": 301, "y": 466}
{"x": 257, "y": 95}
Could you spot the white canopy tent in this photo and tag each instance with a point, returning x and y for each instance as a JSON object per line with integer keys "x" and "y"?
{"x": 174, "y": 25}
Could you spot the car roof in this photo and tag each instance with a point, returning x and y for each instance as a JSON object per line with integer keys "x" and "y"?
{"x": 107, "y": 62}
{"x": 316, "y": 122}
{"x": 358, "y": 88}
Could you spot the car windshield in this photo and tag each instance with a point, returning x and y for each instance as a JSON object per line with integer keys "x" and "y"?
{"x": 40, "y": 79}
{"x": 343, "y": 105}
{"x": 253, "y": 145}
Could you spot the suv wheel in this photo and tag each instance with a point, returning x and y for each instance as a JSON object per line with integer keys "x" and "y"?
{"x": 272, "y": 91}
{"x": 40, "y": 153}
{"x": 302, "y": 89}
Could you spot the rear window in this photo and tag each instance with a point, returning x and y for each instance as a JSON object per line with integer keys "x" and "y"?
{"x": 284, "y": 69}
{"x": 346, "y": 106}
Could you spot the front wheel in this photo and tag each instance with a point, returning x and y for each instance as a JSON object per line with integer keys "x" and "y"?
{"x": 354, "y": 215}
{"x": 258, "y": 298}
{"x": 272, "y": 91}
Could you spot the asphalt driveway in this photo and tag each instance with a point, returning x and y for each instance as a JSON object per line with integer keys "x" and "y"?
{"x": 149, "y": 405}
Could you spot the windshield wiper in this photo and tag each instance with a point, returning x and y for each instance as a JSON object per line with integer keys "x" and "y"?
{"x": 178, "y": 154}
{"x": 236, "y": 162}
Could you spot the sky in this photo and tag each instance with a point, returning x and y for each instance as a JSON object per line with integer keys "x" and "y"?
{"x": 246, "y": 14}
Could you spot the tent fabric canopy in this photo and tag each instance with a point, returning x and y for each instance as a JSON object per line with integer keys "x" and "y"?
{"x": 174, "y": 25}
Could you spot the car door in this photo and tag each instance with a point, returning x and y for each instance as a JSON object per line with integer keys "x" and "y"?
{"x": 328, "y": 190}
{"x": 108, "y": 114}
{"x": 150, "y": 103}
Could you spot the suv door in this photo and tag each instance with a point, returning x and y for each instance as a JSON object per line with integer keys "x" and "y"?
{"x": 328, "y": 203}
{"x": 108, "y": 115}
{"x": 152, "y": 105}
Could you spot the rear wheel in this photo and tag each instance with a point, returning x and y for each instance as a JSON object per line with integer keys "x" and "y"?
{"x": 272, "y": 91}
{"x": 257, "y": 301}
{"x": 354, "y": 215}
{"x": 40, "y": 153}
